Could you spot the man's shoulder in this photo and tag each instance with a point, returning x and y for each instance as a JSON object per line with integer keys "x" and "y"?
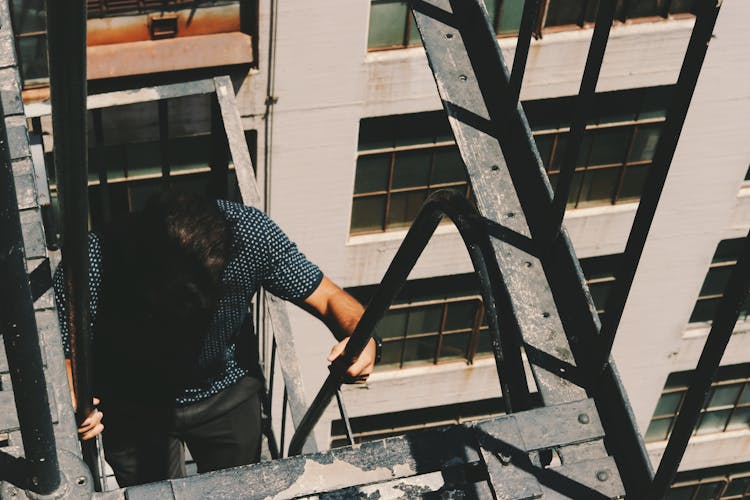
{"x": 245, "y": 221}
{"x": 237, "y": 211}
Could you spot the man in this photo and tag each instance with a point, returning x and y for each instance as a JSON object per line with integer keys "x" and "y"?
{"x": 174, "y": 356}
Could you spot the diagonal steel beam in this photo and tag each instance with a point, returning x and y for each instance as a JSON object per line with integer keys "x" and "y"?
{"x": 547, "y": 296}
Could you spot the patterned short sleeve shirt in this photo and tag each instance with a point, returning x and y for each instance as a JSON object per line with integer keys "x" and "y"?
{"x": 262, "y": 255}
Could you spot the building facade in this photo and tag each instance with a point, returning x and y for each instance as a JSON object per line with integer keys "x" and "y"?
{"x": 349, "y": 137}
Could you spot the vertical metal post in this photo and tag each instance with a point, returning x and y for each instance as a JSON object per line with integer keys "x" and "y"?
{"x": 344, "y": 416}
{"x": 529, "y": 16}
{"x": 101, "y": 166}
{"x": 708, "y": 11}
{"x": 66, "y": 36}
{"x": 164, "y": 143}
{"x": 729, "y": 309}
{"x": 19, "y": 331}
{"x": 582, "y": 111}
{"x": 220, "y": 164}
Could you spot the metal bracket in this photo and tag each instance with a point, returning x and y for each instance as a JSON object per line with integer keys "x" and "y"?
{"x": 75, "y": 482}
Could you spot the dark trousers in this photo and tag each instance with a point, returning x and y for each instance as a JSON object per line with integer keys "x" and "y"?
{"x": 144, "y": 445}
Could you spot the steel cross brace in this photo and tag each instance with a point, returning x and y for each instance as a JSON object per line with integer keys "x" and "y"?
{"x": 547, "y": 302}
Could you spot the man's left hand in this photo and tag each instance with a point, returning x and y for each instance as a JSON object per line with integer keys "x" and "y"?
{"x": 362, "y": 366}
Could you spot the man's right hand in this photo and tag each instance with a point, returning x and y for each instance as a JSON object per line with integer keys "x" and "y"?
{"x": 92, "y": 426}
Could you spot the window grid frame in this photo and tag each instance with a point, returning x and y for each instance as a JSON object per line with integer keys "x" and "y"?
{"x": 475, "y": 331}
{"x": 389, "y": 191}
{"x": 682, "y": 389}
{"x": 539, "y": 28}
{"x": 720, "y": 495}
{"x": 713, "y": 296}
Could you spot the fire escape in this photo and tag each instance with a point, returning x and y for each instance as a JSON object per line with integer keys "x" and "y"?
{"x": 582, "y": 442}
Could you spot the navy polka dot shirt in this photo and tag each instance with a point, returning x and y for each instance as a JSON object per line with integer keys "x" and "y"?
{"x": 262, "y": 255}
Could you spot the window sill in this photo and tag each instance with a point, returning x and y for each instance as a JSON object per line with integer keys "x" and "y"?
{"x": 419, "y": 370}
{"x": 699, "y": 330}
{"x": 396, "y": 235}
{"x": 704, "y": 438}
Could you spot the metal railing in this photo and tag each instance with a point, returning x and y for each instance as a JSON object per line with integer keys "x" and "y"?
{"x": 506, "y": 349}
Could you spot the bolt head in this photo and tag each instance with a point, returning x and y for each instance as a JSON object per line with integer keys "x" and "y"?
{"x": 583, "y": 418}
{"x": 602, "y": 475}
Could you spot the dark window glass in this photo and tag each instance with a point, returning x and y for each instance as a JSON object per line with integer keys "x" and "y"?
{"x": 564, "y": 12}
{"x": 367, "y": 213}
{"x": 386, "y": 24}
{"x": 372, "y": 173}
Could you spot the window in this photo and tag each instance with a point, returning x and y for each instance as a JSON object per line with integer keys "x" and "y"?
{"x": 402, "y": 159}
{"x": 712, "y": 291}
{"x": 126, "y": 141}
{"x": 107, "y": 8}
{"x": 439, "y": 320}
{"x": 727, "y": 407}
{"x": 717, "y": 483}
{"x": 30, "y": 28}
{"x": 617, "y": 149}
{"x": 570, "y": 13}
{"x": 392, "y": 23}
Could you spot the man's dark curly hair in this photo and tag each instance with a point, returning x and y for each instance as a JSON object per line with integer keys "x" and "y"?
{"x": 161, "y": 282}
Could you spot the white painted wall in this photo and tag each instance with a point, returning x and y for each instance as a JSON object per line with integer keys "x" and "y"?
{"x": 326, "y": 82}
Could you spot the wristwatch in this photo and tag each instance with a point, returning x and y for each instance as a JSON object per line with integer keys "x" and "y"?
{"x": 378, "y": 348}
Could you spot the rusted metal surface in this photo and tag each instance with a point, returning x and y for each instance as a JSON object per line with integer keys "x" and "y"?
{"x": 173, "y": 54}
{"x": 190, "y": 22}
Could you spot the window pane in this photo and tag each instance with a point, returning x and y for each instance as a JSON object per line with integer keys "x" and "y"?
{"x": 544, "y": 145}
{"x": 372, "y": 173}
{"x": 33, "y": 58}
{"x": 454, "y": 345}
{"x": 562, "y": 12}
{"x": 681, "y": 6}
{"x": 391, "y": 353}
{"x": 387, "y": 22}
{"x": 29, "y": 16}
{"x": 668, "y": 403}
{"x": 404, "y": 208}
{"x": 644, "y": 8}
{"x": 189, "y": 152}
{"x": 425, "y": 319}
{"x": 644, "y": 145}
{"x": 609, "y": 145}
{"x": 420, "y": 349}
{"x": 367, "y": 214}
{"x": 658, "y": 429}
{"x": 142, "y": 191}
{"x": 412, "y": 169}
{"x": 393, "y": 324}
{"x": 740, "y": 418}
{"x": 510, "y": 16}
{"x": 724, "y": 395}
{"x": 716, "y": 280}
{"x": 745, "y": 398}
{"x": 484, "y": 345}
{"x": 600, "y": 292}
{"x": 713, "y": 421}
{"x": 448, "y": 167}
{"x": 460, "y": 315}
{"x": 710, "y": 490}
{"x": 633, "y": 183}
{"x": 144, "y": 158}
{"x": 376, "y": 133}
{"x": 681, "y": 493}
{"x": 704, "y": 310}
{"x": 562, "y": 142}
{"x": 599, "y": 186}
{"x": 414, "y": 38}
{"x": 491, "y": 9}
{"x": 737, "y": 486}
{"x": 574, "y": 188}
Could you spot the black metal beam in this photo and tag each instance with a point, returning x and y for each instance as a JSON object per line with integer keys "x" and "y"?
{"x": 706, "y": 15}
{"x": 521, "y": 55}
{"x": 727, "y": 313}
{"x": 582, "y": 110}
{"x": 553, "y": 309}
{"x": 101, "y": 167}
{"x": 164, "y": 143}
{"x": 66, "y": 37}
{"x": 19, "y": 331}
{"x": 472, "y": 228}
